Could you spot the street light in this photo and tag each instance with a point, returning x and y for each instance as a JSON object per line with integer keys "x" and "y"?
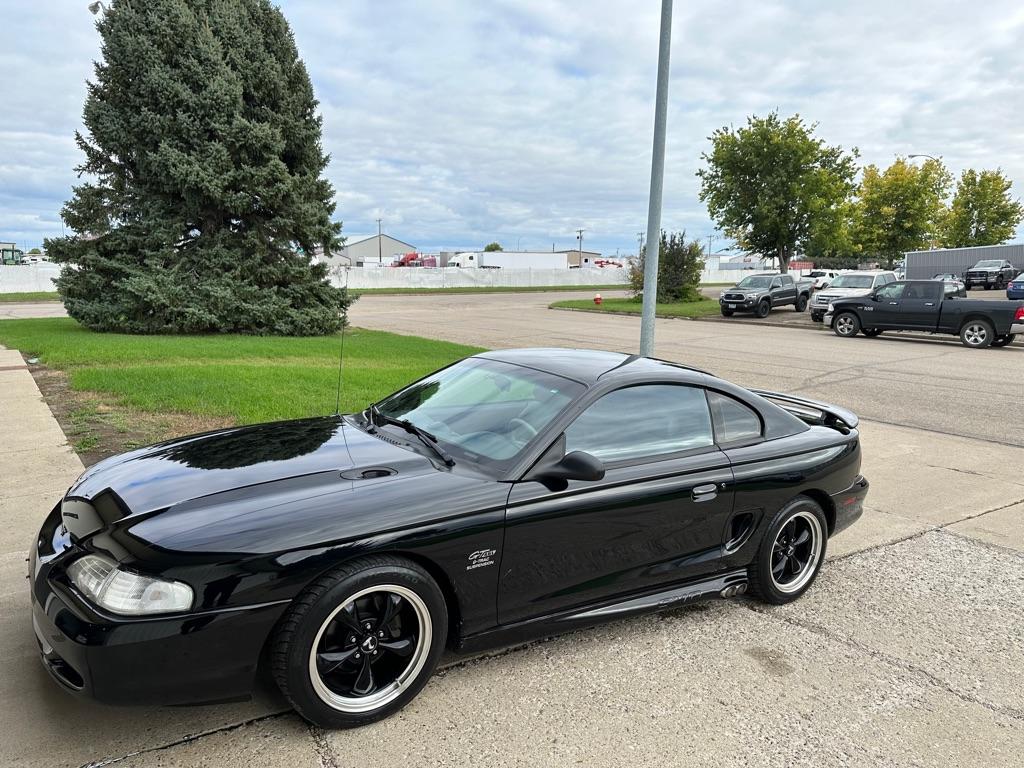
{"x": 923, "y": 155}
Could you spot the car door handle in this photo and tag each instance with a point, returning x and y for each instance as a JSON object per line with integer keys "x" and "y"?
{"x": 929, "y": 303}
{"x": 893, "y": 303}
{"x": 705, "y": 492}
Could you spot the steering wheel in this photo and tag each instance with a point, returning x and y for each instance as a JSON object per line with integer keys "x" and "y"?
{"x": 516, "y": 423}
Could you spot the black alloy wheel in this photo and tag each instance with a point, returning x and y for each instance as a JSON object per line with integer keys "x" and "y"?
{"x": 360, "y": 642}
{"x": 791, "y": 552}
{"x": 727, "y": 312}
{"x": 801, "y": 303}
{"x": 763, "y": 308}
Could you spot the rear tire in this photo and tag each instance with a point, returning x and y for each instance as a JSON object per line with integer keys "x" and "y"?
{"x": 360, "y": 642}
{"x": 977, "y": 334}
{"x": 846, "y": 325}
{"x": 791, "y": 552}
{"x": 871, "y": 332}
{"x": 763, "y": 308}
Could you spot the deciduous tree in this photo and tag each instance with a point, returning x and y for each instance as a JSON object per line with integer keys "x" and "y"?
{"x": 900, "y": 209}
{"x": 495, "y": 246}
{"x": 204, "y": 193}
{"x": 772, "y": 185}
{"x": 680, "y": 264}
{"x": 983, "y": 211}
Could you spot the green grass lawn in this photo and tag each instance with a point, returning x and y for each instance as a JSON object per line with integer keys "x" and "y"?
{"x": 29, "y": 296}
{"x": 244, "y": 378}
{"x": 702, "y": 308}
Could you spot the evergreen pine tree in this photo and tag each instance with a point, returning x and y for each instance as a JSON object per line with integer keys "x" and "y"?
{"x": 204, "y": 198}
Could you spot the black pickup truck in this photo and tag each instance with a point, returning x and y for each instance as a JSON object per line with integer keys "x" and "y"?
{"x": 929, "y": 306}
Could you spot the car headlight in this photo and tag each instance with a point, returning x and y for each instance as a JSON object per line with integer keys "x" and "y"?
{"x": 127, "y": 593}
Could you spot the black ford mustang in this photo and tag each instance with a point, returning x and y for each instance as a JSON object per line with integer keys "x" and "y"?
{"x": 511, "y": 495}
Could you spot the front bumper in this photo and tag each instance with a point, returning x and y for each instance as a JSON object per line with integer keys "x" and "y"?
{"x": 736, "y": 305}
{"x": 182, "y": 659}
{"x": 849, "y": 504}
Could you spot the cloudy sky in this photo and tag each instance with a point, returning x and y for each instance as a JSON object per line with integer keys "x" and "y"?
{"x": 459, "y": 122}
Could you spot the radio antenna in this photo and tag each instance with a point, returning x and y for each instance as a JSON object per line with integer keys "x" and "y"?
{"x": 341, "y": 354}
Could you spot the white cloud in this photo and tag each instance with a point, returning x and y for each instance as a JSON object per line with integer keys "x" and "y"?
{"x": 462, "y": 122}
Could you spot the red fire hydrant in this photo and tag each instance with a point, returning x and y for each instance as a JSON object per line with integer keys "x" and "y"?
{"x": 598, "y": 299}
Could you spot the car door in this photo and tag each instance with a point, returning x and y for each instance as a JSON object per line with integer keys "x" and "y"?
{"x": 919, "y": 306}
{"x": 655, "y": 518}
{"x": 884, "y": 306}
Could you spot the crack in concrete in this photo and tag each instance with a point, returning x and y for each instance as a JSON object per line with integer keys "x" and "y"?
{"x": 892, "y": 661}
{"x": 322, "y": 747}
{"x": 185, "y": 740}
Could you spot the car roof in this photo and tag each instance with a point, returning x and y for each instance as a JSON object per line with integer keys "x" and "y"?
{"x": 588, "y": 365}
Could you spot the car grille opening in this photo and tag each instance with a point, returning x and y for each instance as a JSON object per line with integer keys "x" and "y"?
{"x": 65, "y": 672}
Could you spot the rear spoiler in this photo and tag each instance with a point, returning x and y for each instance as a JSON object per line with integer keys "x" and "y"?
{"x": 813, "y": 411}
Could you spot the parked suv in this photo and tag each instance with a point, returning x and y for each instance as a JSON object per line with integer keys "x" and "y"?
{"x": 822, "y": 277}
{"x": 991, "y": 273}
{"x": 763, "y": 292}
{"x": 849, "y": 284}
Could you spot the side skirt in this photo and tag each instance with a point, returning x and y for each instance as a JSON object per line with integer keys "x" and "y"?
{"x": 725, "y": 584}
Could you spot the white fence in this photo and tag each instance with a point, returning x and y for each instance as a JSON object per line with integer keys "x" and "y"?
{"x": 454, "y": 277}
{"x": 22, "y": 278}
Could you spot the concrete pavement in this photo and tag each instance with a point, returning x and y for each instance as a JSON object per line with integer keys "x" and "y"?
{"x": 905, "y": 652}
{"x": 26, "y": 309}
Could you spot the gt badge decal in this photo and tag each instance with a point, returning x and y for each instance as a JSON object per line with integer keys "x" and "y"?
{"x": 481, "y": 558}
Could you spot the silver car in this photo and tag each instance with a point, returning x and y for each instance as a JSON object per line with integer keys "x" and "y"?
{"x": 848, "y": 284}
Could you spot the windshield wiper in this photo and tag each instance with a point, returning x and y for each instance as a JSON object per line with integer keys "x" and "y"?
{"x": 376, "y": 417}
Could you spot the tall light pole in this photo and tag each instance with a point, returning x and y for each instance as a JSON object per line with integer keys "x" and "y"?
{"x": 923, "y": 155}
{"x": 640, "y": 242}
{"x": 380, "y": 244}
{"x": 579, "y": 236}
{"x": 657, "y": 182}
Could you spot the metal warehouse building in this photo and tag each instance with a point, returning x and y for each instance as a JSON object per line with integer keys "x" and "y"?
{"x": 922, "y": 265}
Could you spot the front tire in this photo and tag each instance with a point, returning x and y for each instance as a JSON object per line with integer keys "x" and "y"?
{"x": 977, "y": 334}
{"x": 846, "y": 325}
{"x": 361, "y": 642}
{"x": 801, "y": 303}
{"x": 791, "y": 552}
{"x": 727, "y": 313}
{"x": 763, "y": 308}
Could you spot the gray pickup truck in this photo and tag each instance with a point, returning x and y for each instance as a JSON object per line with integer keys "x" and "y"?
{"x": 761, "y": 293}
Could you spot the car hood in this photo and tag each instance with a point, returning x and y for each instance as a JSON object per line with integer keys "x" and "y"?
{"x": 307, "y": 452}
{"x": 842, "y": 293}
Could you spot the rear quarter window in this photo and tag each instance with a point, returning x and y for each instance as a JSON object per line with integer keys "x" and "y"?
{"x": 733, "y": 420}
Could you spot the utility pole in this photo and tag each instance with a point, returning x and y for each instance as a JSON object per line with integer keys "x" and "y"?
{"x": 657, "y": 183}
{"x": 579, "y": 236}
{"x": 640, "y": 241}
{"x": 380, "y": 245}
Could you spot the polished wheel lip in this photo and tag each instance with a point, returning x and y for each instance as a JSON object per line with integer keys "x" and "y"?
{"x": 975, "y": 334}
{"x": 808, "y": 570}
{"x": 387, "y": 694}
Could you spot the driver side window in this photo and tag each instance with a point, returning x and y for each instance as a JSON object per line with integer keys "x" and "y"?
{"x": 642, "y": 422}
{"x": 891, "y": 292}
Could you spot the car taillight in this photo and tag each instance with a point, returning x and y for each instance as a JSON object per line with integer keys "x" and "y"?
{"x": 1020, "y": 313}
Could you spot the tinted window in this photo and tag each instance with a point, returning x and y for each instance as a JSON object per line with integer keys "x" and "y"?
{"x": 891, "y": 291}
{"x": 852, "y": 281}
{"x": 733, "y": 420}
{"x": 927, "y": 291}
{"x": 641, "y": 422}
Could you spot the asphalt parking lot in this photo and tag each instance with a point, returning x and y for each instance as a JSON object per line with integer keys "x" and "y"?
{"x": 909, "y": 650}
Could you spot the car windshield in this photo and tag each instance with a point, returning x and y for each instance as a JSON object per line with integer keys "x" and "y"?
{"x": 815, "y": 273}
{"x": 484, "y": 411}
{"x": 989, "y": 263}
{"x": 852, "y": 281}
{"x": 755, "y": 282}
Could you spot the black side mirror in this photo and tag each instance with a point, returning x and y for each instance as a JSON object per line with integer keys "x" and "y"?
{"x": 556, "y": 467}
{"x": 874, "y": 297}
